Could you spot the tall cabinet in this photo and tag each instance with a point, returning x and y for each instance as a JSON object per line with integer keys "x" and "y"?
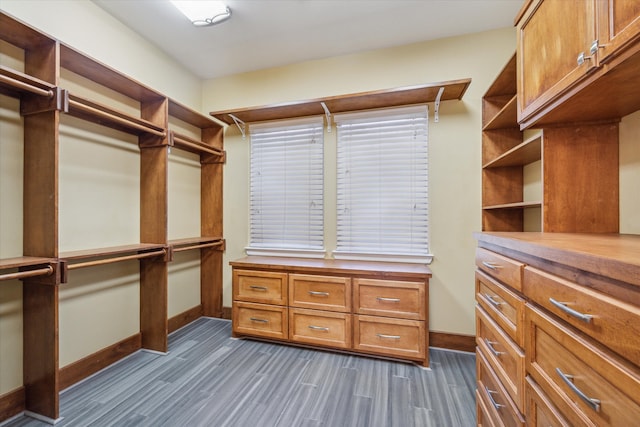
{"x": 144, "y": 114}
{"x": 558, "y": 309}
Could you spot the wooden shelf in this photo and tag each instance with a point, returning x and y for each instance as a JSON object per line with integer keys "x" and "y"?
{"x": 94, "y": 70}
{"x": 26, "y": 267}
{"x": 505, "y": 118}
{"x": 505, "y": 83}
{"x": 103, "y": 115}
{"x": 23, "y": 261}
{"x": 109, "y": 252}
{"x": 527, "y": 152}
{"x": 453, "y": 89}
{"x": 516, "y": 205}
{"x": 194, "y": 118}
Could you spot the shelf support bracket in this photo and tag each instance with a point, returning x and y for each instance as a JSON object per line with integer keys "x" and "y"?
{"x": 327, "y": 113}
{"x": 241, "y": 125}
{"x": 436, "y": 118}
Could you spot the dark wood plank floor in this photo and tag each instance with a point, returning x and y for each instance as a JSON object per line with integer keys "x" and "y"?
{"x": 210, "y": 379}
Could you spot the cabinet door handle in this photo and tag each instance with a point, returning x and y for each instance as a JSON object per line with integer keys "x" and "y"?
{"x": 318, "y": 294}
{"x": 258, "y": 320}
{"x": 491, "y": 265}
{"x": 389, "y": 337}
{"x": 258, "y": 288}
{"x": 383, "y": 299}
{"x": 492, "y": 300}
{"x": 490, "y": 393}
{"x": 490, "y": 344}
{"x": 593, "y": 403}
{"x": 571, "y": 312}
{"x": 319, "y": 328}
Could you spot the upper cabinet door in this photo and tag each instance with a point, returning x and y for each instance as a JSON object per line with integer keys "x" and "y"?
{"x": 618, "y": 26}
{"x": 554, "y": 42}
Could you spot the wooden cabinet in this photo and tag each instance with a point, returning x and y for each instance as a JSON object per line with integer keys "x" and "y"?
{"x": 578, "y": 68}
{"x": 581, "y": 300}
{"x": 568, "y": 167}
{"x": 368, "y": 307}
{"x": 58, "y": 82}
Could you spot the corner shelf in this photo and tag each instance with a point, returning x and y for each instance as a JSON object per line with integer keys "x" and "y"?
{"x": 504, "y": 157}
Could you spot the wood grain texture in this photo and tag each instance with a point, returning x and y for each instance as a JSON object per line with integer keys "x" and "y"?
{"x": 580, "y": 188}
{"x": 209, "y": 379}
{"x": 40, "y": 347}
{"x": 449, "y": 341}
{"x": 182, "y": 319}
{"x": 93, "y": 363}
{"x": 153, "y": 304}
{"x": 11, "y": 403}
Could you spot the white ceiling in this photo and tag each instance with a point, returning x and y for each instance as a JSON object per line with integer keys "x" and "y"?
{"x": 267, "y": 33}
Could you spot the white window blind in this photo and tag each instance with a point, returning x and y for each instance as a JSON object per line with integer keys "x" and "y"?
{"x": 382, "y": 185}
{"x": 286, "y": 189}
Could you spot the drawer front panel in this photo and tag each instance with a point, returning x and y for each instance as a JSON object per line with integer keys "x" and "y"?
{"x": 610, "y": 321}
{"x": 390, "y": 298}
{"x": 540, "y": 411}
{"x": 501, "y": 408}
{"x": 322, "y": 328}
{"x": 320, "y": 292}
{"x": 588, "y": 385}
{"x": 504, "y": 269}
{"x": 260, "y": 286}
{"x": 482, "y": 412}
{"x": 504, "y": 356}
{"x": 392, "y": 337}
{"x": 260, "y": 320}
{"x": 505, "y": 307}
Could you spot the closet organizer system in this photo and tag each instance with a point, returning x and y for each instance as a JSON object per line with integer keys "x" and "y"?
{"x": 43, "y": 268}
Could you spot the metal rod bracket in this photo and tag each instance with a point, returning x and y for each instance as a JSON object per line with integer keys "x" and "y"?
{"x": 241, "y": 125}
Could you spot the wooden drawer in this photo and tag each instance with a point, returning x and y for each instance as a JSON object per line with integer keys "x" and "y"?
{"x": 320, "y": 292}
{"x": 502, "y": 411}
{"x": 260, "y": 286}
{"x": 540, "y": 411}
{"x": 482, "y": 412}
{"x": 610, "y": 321}
{"x": 388, "y": 298}
{"x": 504, "y": 269}
{"x": 392, "y": 337}
{"x": 504, "y": 356}
{"x": 573, "y": 372}
{"x": 260, "y": 320}
{"x": 504, "y": 306}
{"x": 320, "y": 327}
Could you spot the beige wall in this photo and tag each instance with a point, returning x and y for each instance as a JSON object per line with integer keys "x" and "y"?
{"x": 454, "y": 147}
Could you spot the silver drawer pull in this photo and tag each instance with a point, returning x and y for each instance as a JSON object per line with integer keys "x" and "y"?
{"x": 563, "y": 306}
{"x": 318, "y": 294}
{"x": 319, "y": 328}
{"x": 383, "y": 299}
{"x": 490, "y": 344}
{"x": 593, "y": 403}
{"x": 258, "y": 288}
{"x": 495, "y": 404}
{"x": 491, "y": 265}
{"x": 389, "y": 337}
{"x": 257, "y": 319}
{"x": 492, "y": 300}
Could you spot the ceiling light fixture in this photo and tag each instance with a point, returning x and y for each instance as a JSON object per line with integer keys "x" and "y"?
{"x": 203, "y": 13}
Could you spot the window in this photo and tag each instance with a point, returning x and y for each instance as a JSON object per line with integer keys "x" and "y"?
{"x": 286, "y": 188}
{"x": 382, "y": 185}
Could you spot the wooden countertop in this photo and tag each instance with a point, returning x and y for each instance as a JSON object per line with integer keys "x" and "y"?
{"x": 612, "y": 255}
{"x": 313, "y": 265}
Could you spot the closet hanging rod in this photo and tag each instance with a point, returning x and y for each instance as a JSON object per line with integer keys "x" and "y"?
{"x": 161, "y": 252}
{"x": 183, "y": 140}
{"x": 46, "y": 271}
{"x": 105, "y": 114}
{"x": 202, "y": 246}
{"x": 26, "y": 86}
